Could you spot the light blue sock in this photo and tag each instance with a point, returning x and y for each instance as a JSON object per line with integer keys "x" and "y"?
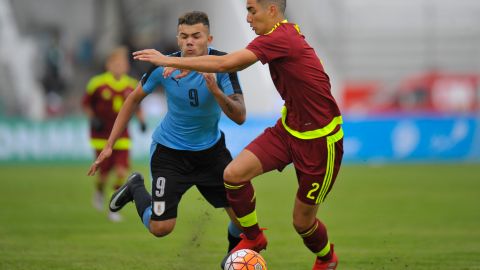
{"x": 147, "y": 214}
{"x": 234, "y": 230}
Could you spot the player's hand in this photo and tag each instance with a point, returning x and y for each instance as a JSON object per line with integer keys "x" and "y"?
{"x": 150, "y": 55}
{"x": 167, "y": 72}
{"x": 211, "y": 80}
{"x": 143, "y": 127}
{"x": 96, "y": 123}
{"x": 105, "y": 154}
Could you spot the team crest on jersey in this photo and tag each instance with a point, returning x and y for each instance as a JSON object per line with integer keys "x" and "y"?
{"x": 106, "y": 94}
{"x": 158, "y": 208}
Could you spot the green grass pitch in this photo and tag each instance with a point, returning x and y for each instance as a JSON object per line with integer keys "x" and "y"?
{"x": 379, "y": 217}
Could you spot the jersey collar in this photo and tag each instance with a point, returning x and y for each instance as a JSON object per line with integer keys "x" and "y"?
{"x": 276, "y": 26}
{"x": 282, "y": 22}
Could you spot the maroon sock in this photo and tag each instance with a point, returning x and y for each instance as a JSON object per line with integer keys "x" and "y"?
{"x": 316, "y": 239}
{"x": 242, "y": 200}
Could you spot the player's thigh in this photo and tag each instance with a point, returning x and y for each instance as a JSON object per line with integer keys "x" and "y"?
{"x": 167, "y": 190}
{"x": 208, "y": 176}
{"x": 214, "y": 194}
{"x": 243, "y": 167}
{"x": 317, "y": 164}
{"x": 168, "y": 184}
{"x": 267, "y": 152}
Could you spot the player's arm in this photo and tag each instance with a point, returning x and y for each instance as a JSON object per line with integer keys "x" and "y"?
{"x": 233, "y": 105}
{"x": 87, "y": 100}
{"x": 231, "y": 62}
{"x": 128, "y": 109}
{"x": 87, "y": 110}
{"x": 141, "y": 119}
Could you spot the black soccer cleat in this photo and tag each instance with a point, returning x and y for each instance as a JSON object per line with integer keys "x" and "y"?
{"x": 124, "y": 194}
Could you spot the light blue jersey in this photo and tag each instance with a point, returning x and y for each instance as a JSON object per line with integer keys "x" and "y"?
{"x": 191, "y": 122}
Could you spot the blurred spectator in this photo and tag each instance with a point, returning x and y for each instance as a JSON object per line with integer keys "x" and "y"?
{"x": 53, "y": 80}
{"x": 105, "y": 96}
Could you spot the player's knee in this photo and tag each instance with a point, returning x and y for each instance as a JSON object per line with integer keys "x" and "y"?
{"x": 300, "y": 226}
{"x": 232, "y": 175}
{"x": 121, "y": 172}
{"x": 161, "y": 229}
{"x": 302, "y": 223}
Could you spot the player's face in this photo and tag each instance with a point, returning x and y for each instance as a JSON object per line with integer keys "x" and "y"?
{"x": 118, "y": 65}
{"x": 193, "y": 40}
{"x": 258, "y": 17}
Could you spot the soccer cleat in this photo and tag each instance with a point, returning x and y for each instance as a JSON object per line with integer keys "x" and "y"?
{"x": 98, "y": 200}
{"x": 114, "y": 217}
{"x": 326, "y": 265}
{"x": 124, "y": 194}
{"x": 258, "y": 244}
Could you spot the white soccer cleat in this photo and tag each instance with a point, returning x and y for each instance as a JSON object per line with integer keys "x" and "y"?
{"x": 114, "y": 217}
{"x": 98, "y": 200}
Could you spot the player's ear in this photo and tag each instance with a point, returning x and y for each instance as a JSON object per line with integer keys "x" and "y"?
{"x": 210, "y": 39}
{"x": 272, "y": 10}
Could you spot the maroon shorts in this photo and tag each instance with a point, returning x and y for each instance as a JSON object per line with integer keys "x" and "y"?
{"x": 118, "y": 158}
{"x": 316, "y": 161}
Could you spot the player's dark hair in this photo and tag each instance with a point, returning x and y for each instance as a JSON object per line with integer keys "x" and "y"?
{"x": 194, "y": 17}
{"x": 281, "y": 4}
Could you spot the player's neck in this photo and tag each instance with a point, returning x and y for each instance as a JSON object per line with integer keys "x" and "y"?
{"x": 117, "y": 76}
{"x": 276, "y": 20}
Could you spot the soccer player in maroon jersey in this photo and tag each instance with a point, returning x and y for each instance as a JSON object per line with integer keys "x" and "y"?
{"x": 308, "y": 134}
{"x": 102, "y": 101}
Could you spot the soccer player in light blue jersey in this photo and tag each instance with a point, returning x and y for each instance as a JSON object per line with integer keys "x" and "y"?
{"x": 188, "y": 148}
{"x": 308, "y": 134}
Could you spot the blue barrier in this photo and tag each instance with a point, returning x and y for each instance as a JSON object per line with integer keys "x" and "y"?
{"x": 372, "y": 139}
{"x": 419, "y": 138}
{"x": 389, "y": 139}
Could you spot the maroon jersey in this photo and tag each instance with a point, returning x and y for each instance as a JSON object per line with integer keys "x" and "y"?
{"x": 300, "y": 79}
{"x": 106, "y": 95}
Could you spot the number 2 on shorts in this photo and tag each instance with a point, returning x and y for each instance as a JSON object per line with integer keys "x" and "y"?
{"x": 315, "y": 186}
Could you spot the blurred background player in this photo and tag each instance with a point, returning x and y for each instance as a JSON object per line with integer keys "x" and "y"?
{"x": 188, "y": 148}
{"x": 308, "y": 134}
{"x": 102, "y": 101}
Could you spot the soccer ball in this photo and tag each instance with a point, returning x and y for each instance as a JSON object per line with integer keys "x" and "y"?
{"x": 245, "y": 259}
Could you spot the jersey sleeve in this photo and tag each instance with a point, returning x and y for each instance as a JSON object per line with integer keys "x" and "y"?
{"x": 93, "y": 84}
{"x": 229, "y": 83}
{"x": 86, "y": 100}
{"x": 269, "y": 47}
{"x": 152, "y": 79}
{"x": 91, "y": 87}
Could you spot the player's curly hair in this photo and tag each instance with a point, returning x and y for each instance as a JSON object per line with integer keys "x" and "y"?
{"x": 194, "y": 17}
{"x": 281, "y": 4}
